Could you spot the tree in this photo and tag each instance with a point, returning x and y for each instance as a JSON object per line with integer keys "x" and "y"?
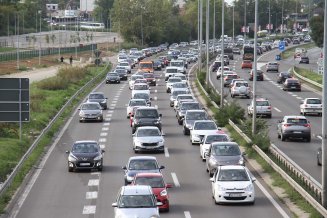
{"x": 102, "y": 10}
{"x": 317, "y": 30}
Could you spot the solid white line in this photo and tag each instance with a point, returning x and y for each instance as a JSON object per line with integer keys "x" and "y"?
{"x": 91, "y": 195}
{"x": 93, "y": 182}
{"x": 89, "y": 209}
{"x": 277, "y": 109}
{"x": 187, "y": 214}
{"x": 166, "y": 152}
{"x": 176, "y": 182}
{"x": 272, "y": 200}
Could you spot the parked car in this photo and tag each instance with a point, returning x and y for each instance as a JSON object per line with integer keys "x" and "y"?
{"x": 148, "y": 138}
{"x": 223, "y": 153}
{"x": 292, "y": 84}
{"x": 158, "y": 185}
{"x": 112, "y": 78}
{"x": 282, "y": 76}
{"x": 294, "y": 127}
{"x": 140, "y": 164}
{"x": 90, "y": 111}
{"x": 136, "y": 201}
{"x": 263, "y": 108}
{"x": 311, "y": 106}
{"x": 233, "y": 184}
{"x": 85, "y": 155}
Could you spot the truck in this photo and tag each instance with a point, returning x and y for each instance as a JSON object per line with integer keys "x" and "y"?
{"x": 229, "y": 52}
{"x": 248, "y": 53}
{"x": 146, "y": 66}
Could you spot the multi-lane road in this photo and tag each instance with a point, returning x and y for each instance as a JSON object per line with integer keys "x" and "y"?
{"x": 284, "y": 103}
{"x": 54, "y": 192}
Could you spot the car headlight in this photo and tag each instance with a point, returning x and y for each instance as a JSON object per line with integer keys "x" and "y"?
{"x": 137, "y": 143}
{"x": 104, "y": 101}
{"x": 188, "y": 125}
{"x": 241, "y": 161}
{"x": 163, "y": 193}
{"x": 157, "y": 122}
{"x": 72, "y": 157}
{"x": 99, "y": 157}
{"x": 154, "y": 216}
{"x": 81, "y": 113}
{"x": 221, "y": 188}
{"x": 249, "y": 188}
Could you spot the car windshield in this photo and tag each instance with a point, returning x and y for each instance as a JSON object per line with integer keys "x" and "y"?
{"x": 191, "y": 106}
{"x": 147, "y": 132}
{"x": 174, "y": 80}
{"x": 136, "y": 201}
{"x": 242, "y": 84}
{"x": 90, "y": 107}
{"x": 123, "y": 64}
{"x": 133, "y": 78}
{"x": 171, "y": 70}
{"x": 297, "y": 121}
{"x": 147, "y": 113}
{"x": 154, "y": 182}
{"x": 184, "y": 97}
{"x": 216, "y": 138}
{"x": 180, "y": 85}
{"x": 233, "y": 175}
{"x": 205, "y": 126}
{"x": 225, "y": 150}
{"x": 177, "y": 64}
{"x": 196, "y": 116}
{"x": 140, "y": 81}
{"x": 182, "y": 77}
{"x": 141, "y": 96}
{"x": 262, "y": 103}
{"x": 293, "y": 82}
{"x": 143, "y": 165}
{"x": 137, "y": 103}
{"x": 140, "y": 87}
{"x": 120, "y": 71}
{"x": 179, "y": 92}
{"x": 145, "y": 65}
{"x": 148, "y": 75}
{"x": 85, "y": 148}
{"x": 113, "y": 74}
{"x": 313, "y": 101}
{"x": 96, "y": 96}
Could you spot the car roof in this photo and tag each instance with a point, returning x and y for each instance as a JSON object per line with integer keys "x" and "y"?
{"x": 148, "y": 175}
{"x": 97, "y": 103}
{"x": 261, "y": 99}
{"x": 85, "y": 141}
{"x": 143, "y": 158}
{"x": 96, "y": 93}
{"x": 189, "y": 111}
{"x": 204, "y": 121}
{"x": 294, "y": 117}
{"x": 225, "y": 143}
{"x": 146, "y": 107}
{"x": 136, "y": 190}
{"x": 147, "y": 127}
{"x": 227, "y": 167}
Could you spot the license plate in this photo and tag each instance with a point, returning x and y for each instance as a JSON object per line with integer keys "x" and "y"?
{"x": 84, "y": 164}
{"x": 297, "y": 132}
{"x": 293, "y": 87}
{"x": 235, "y": 195}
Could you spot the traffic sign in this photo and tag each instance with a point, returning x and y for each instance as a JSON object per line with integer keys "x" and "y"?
{"x": 281, "y": 45}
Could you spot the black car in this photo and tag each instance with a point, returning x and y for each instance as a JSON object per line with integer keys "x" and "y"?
{"x": 292, "y": 84}
{"x": 181, "y": 111}
{"x": 146, "y": 116}
{"x": 112, "y": 78}
{"x": 259, "y": 75}
{"x": 122, "y": 73}
{"x": 98, "y": 97}
{"x": 304, "y": 60}
{"x": 85, "y": 155}
{"x": 157, "y": 65}
{"x": 282, "y": 76}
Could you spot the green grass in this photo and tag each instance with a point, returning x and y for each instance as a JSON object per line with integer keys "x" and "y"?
{"x": 6, "y": 49}
{"x": 44, "y": 106}
{"x": 290, "y": 52}
{"x": 309, "y": 74}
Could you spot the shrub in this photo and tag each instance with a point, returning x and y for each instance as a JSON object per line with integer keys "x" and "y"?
{"x": 55, "y": 83}
{"x": 232, "y": 111}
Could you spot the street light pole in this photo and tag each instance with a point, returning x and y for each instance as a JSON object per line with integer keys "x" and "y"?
{"x": 244, "y": 20}
{"x": 200, "y": 45}
{"x": 142, "y": 27}
{"x": 222, "y": 53}
{"x": 40, "y": 12}
{"x": 269, "y": 27}
{"x": 207, "y": 42}
{"x": 214, "y": 24}
{"x": 254, "y": 114}
{"x": 282, "y": 27}
{"x": 324, "y": 116}
{"x": 233, "y": 23}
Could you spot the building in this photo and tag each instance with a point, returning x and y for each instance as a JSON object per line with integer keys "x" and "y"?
{"x": 87, "y": 6}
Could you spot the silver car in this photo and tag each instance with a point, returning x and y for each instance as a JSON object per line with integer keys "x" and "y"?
{"x": 175, "y": 93}
{"x": 272, "y": 66}
{"x": 240, "y": 88}
{"x": 190, "y": 117}
{"x": 294, "y": 127}
{"x": 148, "y": 138}
{"x": 263, "y": 108}
{"x": 223, "y": 153}
{"x": 90, "y": 111}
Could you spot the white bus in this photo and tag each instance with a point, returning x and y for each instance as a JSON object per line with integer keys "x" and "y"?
{"x": 92, "y": 26}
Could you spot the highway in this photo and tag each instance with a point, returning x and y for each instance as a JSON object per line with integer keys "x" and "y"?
{"x": 54, "y": 192}
{"x": 283, "y": 103}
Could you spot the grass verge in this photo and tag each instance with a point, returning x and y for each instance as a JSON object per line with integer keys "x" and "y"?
{"x": 290, "y": 52}
{"x": 6, "y": 49}
{"x": 52, "y": 101}
{"x": 309, "y": 74}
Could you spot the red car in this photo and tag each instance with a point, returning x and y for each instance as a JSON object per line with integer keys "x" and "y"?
{"x": 131, "y": 115}
{"x": 159, "y": 187}
{"x": 246, "y": 64}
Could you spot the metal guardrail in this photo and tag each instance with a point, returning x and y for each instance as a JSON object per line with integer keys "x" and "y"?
{"x": 6, "y": 184}
{"x": 306, "y": 79}
{"x": 306, "y": 179}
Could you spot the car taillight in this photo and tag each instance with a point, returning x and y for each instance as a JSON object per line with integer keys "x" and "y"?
{"x": 287, "y": 125}
{"x": 305, "y": 105}
{"x": 269, "y": 107}
{"x": 307, "y": 125}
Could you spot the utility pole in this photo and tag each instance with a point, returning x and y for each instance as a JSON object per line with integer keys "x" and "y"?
{"x": 244, "y": 20}
{"x": 207, "y": 43}
{"x": 269, "y": 25}
{"x": 282, "y": 27}
{"x": 17, "y": 26}
{"x": 200, "y": 45}
{"x": 324, "y": 116}
{"x": 222, "y": 53}
{"x": 40, "y": 12}
{"x": 233, "y": 23}
{"x": 142, "y": 27}
{"x": 214, "y": 24}
{"x": 254, "y": 102}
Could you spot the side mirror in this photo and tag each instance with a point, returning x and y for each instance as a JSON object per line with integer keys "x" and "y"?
{"x": 243, "y": 153}
{"x": 106, "y": 98}
{"x": 163, "y": 134}
{"x": 124, "y": 168}
{"x": 102, "y": 151}
{"x": 67, "y": 152}
{"x": 253, "y": 179}
{"x": 159, "y": 204}
{"x": 160, "y": 115}
{"x": 114, "y": 205}
{"x": 133, "y": 134}
{"x": 162, "y": 167}
{"x": 168, "y": 185}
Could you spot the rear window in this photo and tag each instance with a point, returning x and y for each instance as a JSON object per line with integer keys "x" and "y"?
{"x": 263, "y": 103}
{"x": 313, "y": 101}
{"x": 147, "y": 113}
{"x": 297, "y": 121}
{"x": 196, "y": 116}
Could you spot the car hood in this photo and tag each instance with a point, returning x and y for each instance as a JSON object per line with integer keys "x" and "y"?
{"x": 146, "y": 120}
{"x": 136, "y": 212}
{"x": 151, "y": 139}
{"x": 96, "y": 100}
{"x": 91, "y": 111}
{"x": 204, "y": 132}
{"x": 132, "y": 173}
{"x": 234, "y": 185}
{"x": 228, "y": 160}
{"x": 85, "y": 156}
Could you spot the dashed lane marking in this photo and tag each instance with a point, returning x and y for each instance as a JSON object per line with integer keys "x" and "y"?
{"x": 105, "y": 128}
{"x": 91, "y": 195}
{"x": 166, "y": 152}
{"x": 176, "y": 182}
{"x": 187, "y": 214}
{"x": 155, "y": 98}
{"x": 93, "y": 182}
{"x": 103, "y": 134}
{"x": 102, "y": 146}
{"x": 106, "y": 124}
{"x": 277, "y": 109}
{"x": 89, "y": 209}
{"x": 102, "y": 140}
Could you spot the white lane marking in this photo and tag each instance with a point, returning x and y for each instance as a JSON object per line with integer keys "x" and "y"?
{"x": 102, "y": 140}
{"x": 166, "y": 152}
{"x": 108, "y": 119}
{"x": 299, "y": 98}
{"x": 155, "y": 90}
{"x": 108, "y": 115}
{"x": 115, "y": 99}
{"x": 319, "y": 137}
{"x": 106, "y": 124}
{"x": 93, "y": 182}
{"x": 111, "y": 108}
{"x": 110, "y": 112}
{"x": 113, "y": 105}
{"x": 114, "y": 102}
{"x": 294, "y": 95}
{"x": 91, "y": 195}
{"x": 155, "y": 98}
{"x": 156, "y": 106}
{"x": 89, "y": 209}
{"x": 103, "y": 134}
{"x": 187, "y": 214}
{"x": 277, "y": 109}
{"x": 105, "y": 128}
{"x": 272, "y": 200}
{"x": 102, "y": 146}
{"x": 176, "y": 182}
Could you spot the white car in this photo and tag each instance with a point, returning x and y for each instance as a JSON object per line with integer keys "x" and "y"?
{"x": 175, "y": 93}
{"x": 148, "y": 138}
{"x": 132, "y": 79}
{"x": 140, "y": 88}
{"x": 180, "y": 86}
{"x": 170, "y": 71}
{"x": 263, "y": 108}
{"x": 219, "y": 136}
{"x": 134, "y": 103}
{"x": 180, "y": 75}
{"x": 136, "y": 201}
{"x": 200, "y": 129}
{"x": 121, "y": 58}
{"x": 226, "y": 72}
{"x": 170, "y": 82}
{"x": 182, "y": 97}
{"x": 240, "y": 88}
{"x": 311, "y": 106}
{"x": 233, "y": 184}
{"x": 179, "y": 64}
{"x": 125, "y": 65}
